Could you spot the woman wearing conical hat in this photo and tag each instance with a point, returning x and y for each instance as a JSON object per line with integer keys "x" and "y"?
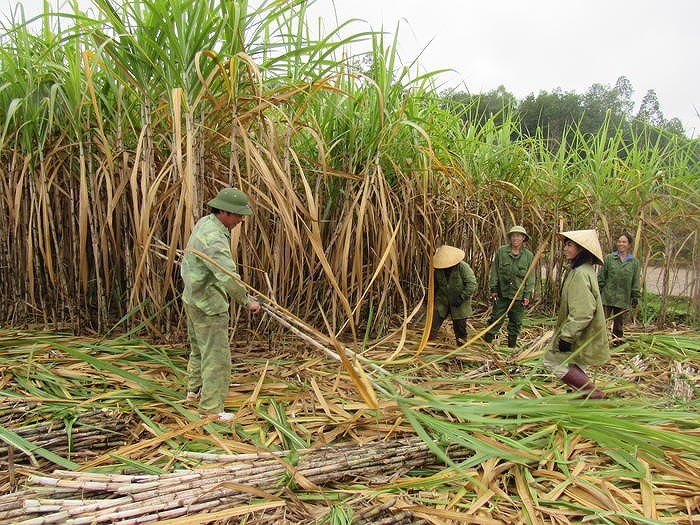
{"x": 580, "y": 334}
{"x": 455, "y": 283}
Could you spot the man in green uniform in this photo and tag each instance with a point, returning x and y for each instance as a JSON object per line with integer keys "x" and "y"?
{"x": 455, "y": 283}
{"x": 206, "y": 299}
{"x": 510, "y": 264}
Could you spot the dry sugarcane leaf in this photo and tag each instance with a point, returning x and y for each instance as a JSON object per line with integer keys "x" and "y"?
{"x": 149, "y": 443}
{"x": 458, "y": 517}
{"x": 647, "y": 491}
{"x": 208, "y": 517}
{"x": 357, "y": 375}
{"x": 530, "y": 505}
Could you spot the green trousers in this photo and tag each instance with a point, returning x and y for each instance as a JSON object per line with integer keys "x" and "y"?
{"x": 209, "y": 367}
{"x": 515, "y": 317}
{"x": 459, "y": 325}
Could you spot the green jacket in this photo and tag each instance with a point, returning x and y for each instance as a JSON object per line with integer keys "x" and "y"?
{"x": 455, "y": 286}
{"x": 206, "y": 286}
{"x": 507, "y": 273}
{"x": 581, "y": 319}
{"x": 619, "y": 281}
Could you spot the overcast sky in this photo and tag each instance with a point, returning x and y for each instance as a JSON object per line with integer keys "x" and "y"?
{"x": 533, "y": 45}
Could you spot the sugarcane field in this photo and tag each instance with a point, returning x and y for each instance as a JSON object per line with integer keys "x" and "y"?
{"x": 250, "y": 276}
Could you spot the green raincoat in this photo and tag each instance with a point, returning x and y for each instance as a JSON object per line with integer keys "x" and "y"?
{"x": 619, "y": 281}
{"x": 581, "y": 320}
{"x": 454, "y": 288}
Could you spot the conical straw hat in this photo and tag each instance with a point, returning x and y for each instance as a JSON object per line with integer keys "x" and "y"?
{"x": 587, "y": 239}
{"x": 447, "y": 256}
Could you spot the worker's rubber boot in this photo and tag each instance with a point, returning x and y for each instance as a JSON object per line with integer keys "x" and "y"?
{"x": 577, "y": 379}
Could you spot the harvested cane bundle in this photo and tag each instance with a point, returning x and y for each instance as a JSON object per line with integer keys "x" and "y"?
{"x": 83, "y": 437}
{"x": 13, "y": 411}
{"x": 83, "y": 497}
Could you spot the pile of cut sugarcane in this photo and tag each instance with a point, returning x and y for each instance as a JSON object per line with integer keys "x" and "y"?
{"x": 76, "y": 438}
{"x": 89, "y": 435}
{"x": 84, "y": 497}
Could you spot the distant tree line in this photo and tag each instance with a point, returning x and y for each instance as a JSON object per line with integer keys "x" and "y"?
{"x": 551, "y": 114}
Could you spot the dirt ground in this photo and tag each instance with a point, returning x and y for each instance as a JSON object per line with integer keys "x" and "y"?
{"x": 682, "y": 281}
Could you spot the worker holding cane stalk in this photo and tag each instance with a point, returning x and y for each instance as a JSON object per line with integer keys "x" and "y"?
{"x": 208, "y": 286}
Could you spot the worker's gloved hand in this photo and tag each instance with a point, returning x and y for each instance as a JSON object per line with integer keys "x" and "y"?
{"x": 634, "y": 302}
{"x": 564, "y": 346}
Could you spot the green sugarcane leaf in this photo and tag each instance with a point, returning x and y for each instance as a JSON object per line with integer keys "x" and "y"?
{"x": 29, "y": 448}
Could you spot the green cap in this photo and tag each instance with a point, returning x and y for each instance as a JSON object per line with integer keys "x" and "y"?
{"x": 518, "y": 229}
{"x": 231, "y": 200}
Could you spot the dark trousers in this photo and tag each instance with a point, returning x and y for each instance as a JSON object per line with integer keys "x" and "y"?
{"x": 618, "y": 319}
{"x": 459, "y": 326}
{"x": 515, "y": 317}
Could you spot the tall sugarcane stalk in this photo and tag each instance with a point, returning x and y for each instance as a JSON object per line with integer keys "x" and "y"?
{"x": 151, "y": 105}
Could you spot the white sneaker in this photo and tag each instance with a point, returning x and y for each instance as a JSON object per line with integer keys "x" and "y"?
{"x": 192, "y": 396}
{"x": 224, "y": 417}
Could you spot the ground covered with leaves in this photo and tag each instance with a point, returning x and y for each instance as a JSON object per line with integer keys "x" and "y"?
{"x": 97, "y": 430}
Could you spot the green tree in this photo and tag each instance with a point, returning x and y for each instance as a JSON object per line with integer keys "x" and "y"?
{"x": 550, "y": 112}
{"x": 650, "y": 110}
{"x": 603, "y": 104}
{"x": 476, "y": 109}
{"x": 624, "y": 92}
{"x": 674, "y": 126}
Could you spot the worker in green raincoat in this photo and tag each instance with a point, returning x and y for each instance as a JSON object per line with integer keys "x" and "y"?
{"x": 455, "y": 283}
{"x": 580, "y": 335}
{"x": 510, "y": 296}
{"x": 619, "y": 283}
{"x": 206, "y": 300}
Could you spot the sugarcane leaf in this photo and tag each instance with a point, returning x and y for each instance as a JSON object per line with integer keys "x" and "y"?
{"x": 139, "y": 466}
{"x": 101, "y": 364}
{"x": 29, "y": 448}
{"x": 283, "y": 426}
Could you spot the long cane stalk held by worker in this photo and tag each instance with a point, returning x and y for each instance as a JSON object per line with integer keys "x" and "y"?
{"x": 350, "y": 360}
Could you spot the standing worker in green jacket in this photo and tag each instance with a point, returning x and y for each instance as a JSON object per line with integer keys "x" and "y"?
{"x": 619, "y": 284}
{"x": 206, "y": 299}
{"x": 510, "y": 265}
{"x": 455, "y": 283}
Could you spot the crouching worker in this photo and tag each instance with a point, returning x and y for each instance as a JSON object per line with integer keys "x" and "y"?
{"x": 206, "y": 299}
{"x": 455, "y": 283}
{"x": 580, "y": 334}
